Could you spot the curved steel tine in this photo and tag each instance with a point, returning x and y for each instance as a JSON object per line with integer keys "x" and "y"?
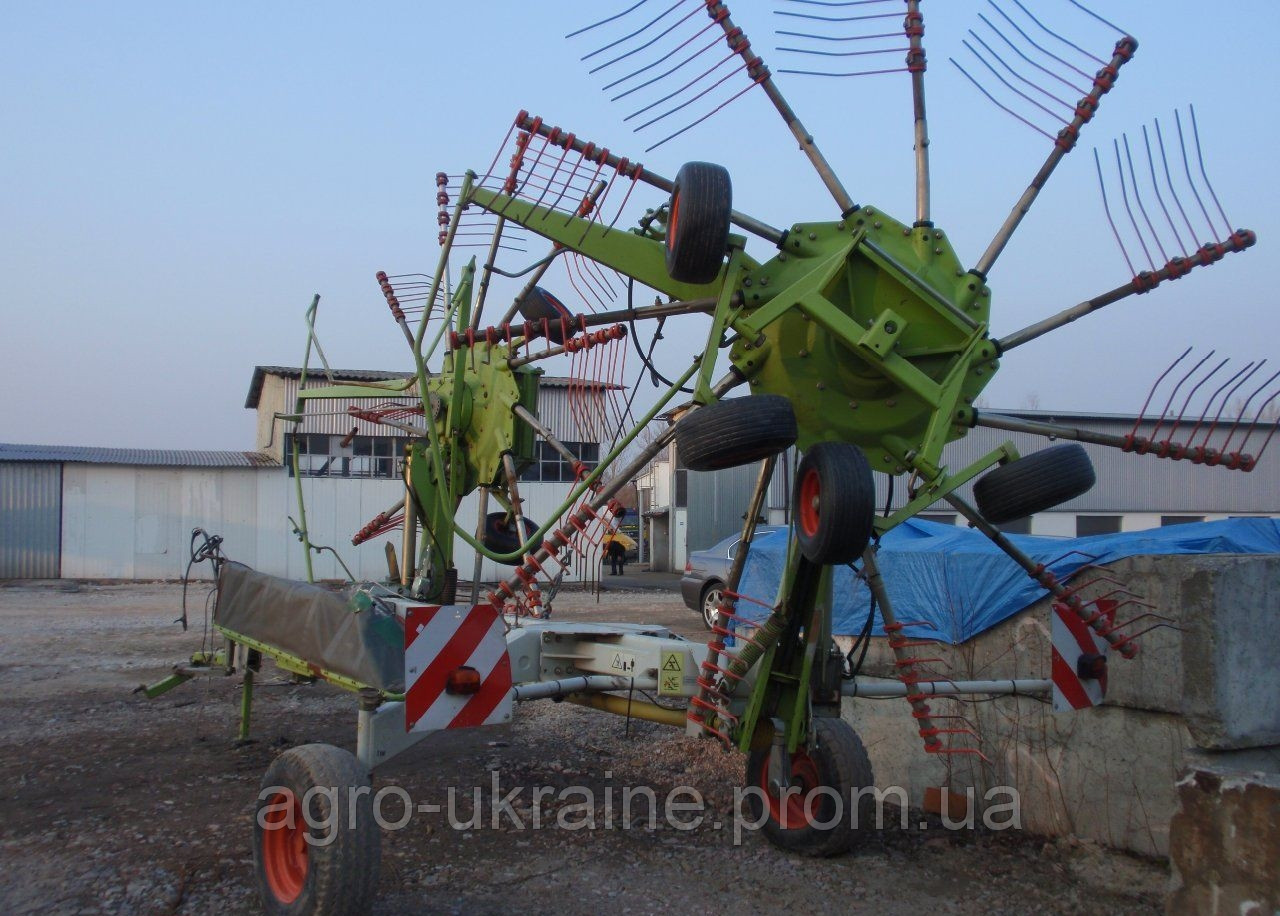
{"x": 1124, "y": 195}
{"x": 992, "y": 99}
{"x": 1261, "y": 409}
{"x": 629, "y": 36}
{"x": 1016, "y": 50}
{"x": 1168, "y": 177}
{"x": 1155, "y": 186}
{"x": 1142, "y": 414}
{"x": 1069, "y": 44}
{"x": 1195, "y": 135}
{"x": 1182, "y": 381}
{"x": 1082, "y": 7}
{"x": 1106, "y": 208}
{"x": 1133, "y": 177}
{"x": 1244, "y": 408}
{"x": 1038, "y": 47}
{"x": 1186, "y": 164}
{"x": 1223, "y": 406}
{"x": 1209, "y": 405}
{"x": 1192, "y": 393}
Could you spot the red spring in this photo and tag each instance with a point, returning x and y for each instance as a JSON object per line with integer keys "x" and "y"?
{"x": 380, "y": 524}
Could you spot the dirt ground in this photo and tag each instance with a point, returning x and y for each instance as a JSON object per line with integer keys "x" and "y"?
{"x": 110, "y": 803}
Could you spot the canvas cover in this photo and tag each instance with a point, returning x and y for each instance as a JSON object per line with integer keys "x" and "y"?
{"x": 325, "y": 628}
{"x": 957, "y": 583}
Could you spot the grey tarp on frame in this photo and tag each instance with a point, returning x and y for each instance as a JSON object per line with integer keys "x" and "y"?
{"x": 315, "y": 624}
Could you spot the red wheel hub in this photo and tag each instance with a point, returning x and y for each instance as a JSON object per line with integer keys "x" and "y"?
{"x": 284, "y": 847}
{"x": 673, "y": 219}
{"x": 810, "y": 502}
{"x": 787, "y": 807}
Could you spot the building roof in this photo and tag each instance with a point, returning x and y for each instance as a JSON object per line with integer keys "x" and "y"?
{"x": 363, "y": 375}
{"x": 135, "y": 456}
{"x": 341, "y": 375}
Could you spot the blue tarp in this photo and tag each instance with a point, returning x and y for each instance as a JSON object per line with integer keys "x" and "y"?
{"x": 958, "y": 584}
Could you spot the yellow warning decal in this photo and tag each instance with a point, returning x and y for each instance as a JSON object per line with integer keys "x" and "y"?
{"x": 671, "y": 674}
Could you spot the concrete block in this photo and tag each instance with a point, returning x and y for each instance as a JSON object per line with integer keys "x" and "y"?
{"x": 1229, "y": 653}
{"x": 1225, "y": 837}
{"x": 1105, "y": 774}
{"x": 1222, "y": 644}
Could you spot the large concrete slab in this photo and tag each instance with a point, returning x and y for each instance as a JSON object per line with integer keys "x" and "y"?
{"x": 1225, "y": 838}
{"x": 1108, "y": 774}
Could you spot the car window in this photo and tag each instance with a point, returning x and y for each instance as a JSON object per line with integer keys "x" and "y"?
{"x": 726, "y": 547}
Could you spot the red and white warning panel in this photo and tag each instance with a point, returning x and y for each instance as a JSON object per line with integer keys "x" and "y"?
{"x": 1079, "y": 661}
{"x": 456, "y": 668}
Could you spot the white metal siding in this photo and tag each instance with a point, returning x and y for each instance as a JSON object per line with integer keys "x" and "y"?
{"x": 135, "y": 523}
{"x": 123, "y": 522}
{"x": 1143, "y": 483}
{"x": 30, "y": 519}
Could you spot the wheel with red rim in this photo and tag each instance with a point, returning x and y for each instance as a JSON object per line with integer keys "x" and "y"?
{"x": 834, "y": 503}
{"x": 698, "y": 222}
{"x": 499, "y": 534}
{"x": 538, "y": 305}
{"x": 821, "y": 811}
{"x": 316, "y": 848}
{"x": 284, "y": 846}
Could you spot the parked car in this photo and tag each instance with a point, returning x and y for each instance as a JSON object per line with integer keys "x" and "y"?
{"x": 707, "y": 571}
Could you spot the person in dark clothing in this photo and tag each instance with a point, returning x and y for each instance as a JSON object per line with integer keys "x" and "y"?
{"x": 617, "y": 555}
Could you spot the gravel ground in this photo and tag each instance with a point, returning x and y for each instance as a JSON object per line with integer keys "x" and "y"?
{"x": 110, "y": 803}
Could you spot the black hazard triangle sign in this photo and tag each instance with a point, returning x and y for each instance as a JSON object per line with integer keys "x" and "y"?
{"x": 671, "y": 674}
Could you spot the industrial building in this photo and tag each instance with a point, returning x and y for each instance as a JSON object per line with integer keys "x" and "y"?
{"x": 108, "y": 513}
{"x": 688, "y": 510}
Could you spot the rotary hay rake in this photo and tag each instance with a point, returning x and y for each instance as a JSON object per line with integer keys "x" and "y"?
{"x": 863, "y": 340}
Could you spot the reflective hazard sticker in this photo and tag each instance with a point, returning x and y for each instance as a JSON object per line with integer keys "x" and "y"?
{"x": 671, "y": 674}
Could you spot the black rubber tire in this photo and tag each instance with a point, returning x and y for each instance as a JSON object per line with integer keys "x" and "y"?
{"x": 698, "y": 222}
{"x": 712, "y": 594}
{"x": 500, "y": 535}
{"x": 1034, "y": 483}
{"x": 836, "y": 758}
{"x": 341, "y": 875}
{"x": 538, "y": 304}
{"x": 728, "y": 434}
{"x": 835, "y": 503}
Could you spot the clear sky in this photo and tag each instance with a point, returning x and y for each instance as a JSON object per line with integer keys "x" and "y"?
{"x": 177, "y": 180}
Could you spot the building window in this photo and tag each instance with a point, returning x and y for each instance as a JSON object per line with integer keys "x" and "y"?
{"x": 942, "y": 518}
{"x": 1017, "y": 526}
{"x": 682, "y": 488}
{"x": 549, "y": 466}
{"x": 1167, "y": 520}
{"x": 314, "y": 459}
{"x": 373, "y": 457}
{"x": 1087, "y": 525}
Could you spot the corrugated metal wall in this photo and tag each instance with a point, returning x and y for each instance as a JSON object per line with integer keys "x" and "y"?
{"x": 330, "y": 417}
{"x": 135, "y": 523}
{"x": 1138, "y": 483}
{"x": 717, "y": 501}
{"x": 30, "y": 520}
{"x": 1126, "y": 483}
